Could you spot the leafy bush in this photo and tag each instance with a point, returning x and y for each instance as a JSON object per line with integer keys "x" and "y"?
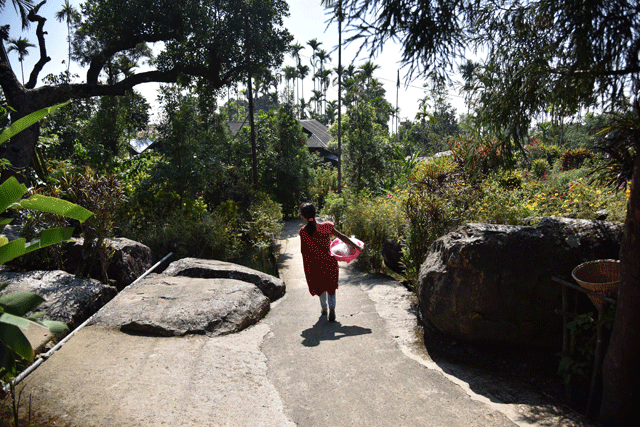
{"x": 495, "y": 203}
{"x": 536, "y": 149}
{"x": 102, "y": 194}
{"x": 573, "y": 159}
{"x": 540, "y": 167}
{"x": 262, "y": 229}
{"x": 508, "y": 180}
{"x": 336, "y": 205}
{"x": 577, "y": 361}
{"x": 324, "y": 181}
{"x": 435, "y": 204}
{"x": 373, "y": 219}
{"x": 478, "y": 156}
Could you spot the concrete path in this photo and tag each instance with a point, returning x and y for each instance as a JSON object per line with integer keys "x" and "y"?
{"x": 369, "y": 368}
{"x": 352, "y": 372}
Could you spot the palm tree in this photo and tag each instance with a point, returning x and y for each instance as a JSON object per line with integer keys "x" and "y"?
{"x": 350, "y": 71}
{"x": 301, "y": 110}
{"x": 303, "y": 71}
{"x": 21, "y": 46}
{"x": 332, "y": 112}
{"x": 367, "y": 70}
{"x": 22, "y": 7}
{"x": 70, "y": 14}
{"x": 290, "y": 73}
{"x": 315, "y": 45}
{"x": 295, "y": 54}
{"x": 317, "y": 98}
{"x": 322, "y": 56}
{"x": 325, "y": 79}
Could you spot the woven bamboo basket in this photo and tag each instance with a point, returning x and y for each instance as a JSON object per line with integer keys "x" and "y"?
{"x": 601, "y": 276}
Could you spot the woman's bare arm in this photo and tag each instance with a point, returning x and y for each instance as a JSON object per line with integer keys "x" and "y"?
{"x": 345, "y": 239}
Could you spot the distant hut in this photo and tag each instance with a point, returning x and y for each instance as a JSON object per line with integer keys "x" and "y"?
{"x": 318, "y": 138}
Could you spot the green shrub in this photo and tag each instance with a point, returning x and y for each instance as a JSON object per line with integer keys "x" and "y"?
{"x": 262, "y": 230}
{"x": 102, "y": 194}
{"x": 435, "y": 204}
{"x": 540, "y": 167}
{"x": 508, "y": 180}
{"x": 374, "y": 219}
{"x": 573, "y": 159}
{"x": 535, "y": 150}
{"x": 494, "y": 203}
{"x": 335, "y": 207}
{"x": 478, "y": 156}
{"x": 324, "y": 181}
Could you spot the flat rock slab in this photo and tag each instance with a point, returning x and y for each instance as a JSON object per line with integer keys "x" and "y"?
{"x": 271, "y": 286}
{"x": 161, "y": 305}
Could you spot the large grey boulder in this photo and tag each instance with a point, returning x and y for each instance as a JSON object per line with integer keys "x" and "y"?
{"x": 492, "y": 283}
{"x": 68, "y": 299}
{"x": 272, "y": 287}
{"x": 161, "y": 305}
{"x": 129, "y": 261}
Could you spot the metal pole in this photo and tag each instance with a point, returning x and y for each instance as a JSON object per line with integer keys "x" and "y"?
{"x": 340, "y": 97}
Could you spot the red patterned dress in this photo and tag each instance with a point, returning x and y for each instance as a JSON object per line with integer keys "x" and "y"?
{"x": 320, "y": 267}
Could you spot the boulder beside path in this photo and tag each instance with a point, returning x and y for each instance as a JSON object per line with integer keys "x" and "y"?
{"x": 492, "y": 283}
{"x": 68, "y": 298}
{"x": 161, "y": 305}
{"x": 272, "y": 287}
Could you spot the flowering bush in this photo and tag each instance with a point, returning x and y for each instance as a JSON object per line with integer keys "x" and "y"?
{"x": 439, "y": 200}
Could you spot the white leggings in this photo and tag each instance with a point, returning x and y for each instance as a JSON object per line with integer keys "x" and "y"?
{"x": 323, "y": 300}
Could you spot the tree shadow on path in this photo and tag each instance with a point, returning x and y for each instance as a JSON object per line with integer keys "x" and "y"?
{"x": 324, "y": 330}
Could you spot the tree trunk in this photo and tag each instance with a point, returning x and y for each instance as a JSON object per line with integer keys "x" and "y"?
{"x": 621, "y": 368}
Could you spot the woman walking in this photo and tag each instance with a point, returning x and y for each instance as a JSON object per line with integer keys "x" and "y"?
{"x": 320, "y": 267}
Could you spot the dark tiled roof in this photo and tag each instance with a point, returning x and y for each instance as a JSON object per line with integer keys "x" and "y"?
{"x": 235, "y": 127}
{"x": 318, "y": 133}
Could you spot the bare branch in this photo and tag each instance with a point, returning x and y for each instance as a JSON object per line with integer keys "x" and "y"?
{"x": 34, "y": 17}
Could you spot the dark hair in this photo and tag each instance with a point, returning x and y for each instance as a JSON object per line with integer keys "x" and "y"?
{"x": 308, "y": 211}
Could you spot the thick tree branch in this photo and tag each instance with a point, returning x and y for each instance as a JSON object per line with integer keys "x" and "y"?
{"x": 52, "y": 95}
{"x": 101, "y": 58}
{"x": 34, "y": 17}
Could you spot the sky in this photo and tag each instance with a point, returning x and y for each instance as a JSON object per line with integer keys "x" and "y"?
{"x": 307, "y": 20}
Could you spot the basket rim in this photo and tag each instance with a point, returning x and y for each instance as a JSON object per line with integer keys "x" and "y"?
{"x": 589, "y": 263}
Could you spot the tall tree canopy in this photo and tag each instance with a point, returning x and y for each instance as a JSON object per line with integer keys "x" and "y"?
{"x": 201, "y": 39}
{"x": 541, "y": 52}
{"x": 539, "y": 55}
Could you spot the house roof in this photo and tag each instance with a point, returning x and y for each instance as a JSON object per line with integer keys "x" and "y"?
{"x": 139, "y": 145}
{"x": 235, "y": 127}
{"x": 318, "y": 133}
